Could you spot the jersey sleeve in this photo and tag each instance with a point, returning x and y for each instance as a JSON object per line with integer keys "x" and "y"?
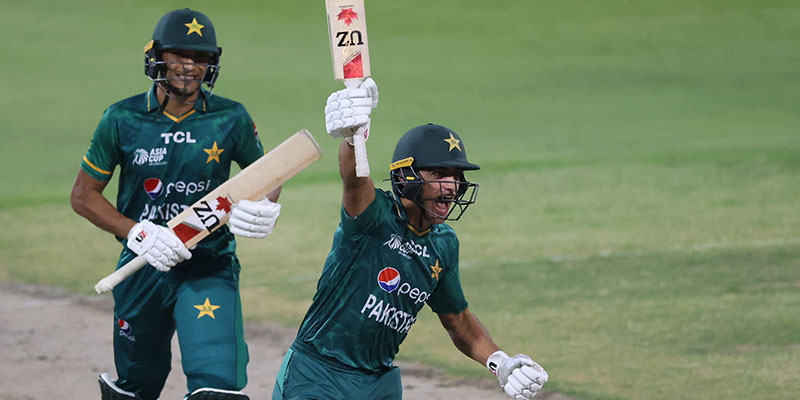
{"x": 448, "y": 297}
{"x": 370, "y": 218}
{"x": 249, "y": 148}
{"x": 104, "y": 153}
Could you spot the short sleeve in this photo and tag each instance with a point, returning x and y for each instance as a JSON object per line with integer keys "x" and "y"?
{"x": 250, "y": 148}
{"x": 372, "y": 216}
{"x": 104, "y": 153}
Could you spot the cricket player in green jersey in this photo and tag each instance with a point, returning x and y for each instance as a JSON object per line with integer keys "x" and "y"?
{"x": 392, "y": 253}
{"x": 173, "y": 144}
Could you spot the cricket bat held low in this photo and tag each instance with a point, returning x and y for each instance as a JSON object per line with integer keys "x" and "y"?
{"x": 213, "y": 210}
{"x": 347, "y": 31}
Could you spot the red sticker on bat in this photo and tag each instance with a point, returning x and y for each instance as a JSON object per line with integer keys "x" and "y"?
{"x": 353, "y": 68}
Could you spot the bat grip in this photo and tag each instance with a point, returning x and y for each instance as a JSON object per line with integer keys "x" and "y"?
{"x": 108, "y": 283}
{"x": 359, "y": 138}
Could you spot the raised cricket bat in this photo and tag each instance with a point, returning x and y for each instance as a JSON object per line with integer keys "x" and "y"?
{"x": 212, "y": 211}
{"x": 347, "y": 30}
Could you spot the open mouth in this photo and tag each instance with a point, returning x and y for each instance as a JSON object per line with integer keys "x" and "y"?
{"x": 442, "y": 206}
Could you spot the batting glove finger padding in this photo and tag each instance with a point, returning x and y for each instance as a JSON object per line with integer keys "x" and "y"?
{"x": 347, "y": 110}
{"x": 157, "y": 244}
{"x": 254, "y": 219}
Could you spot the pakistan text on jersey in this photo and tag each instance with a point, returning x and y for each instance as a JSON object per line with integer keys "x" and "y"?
{"x": 395, "y": 242}
{"x": 163, "y": 212}
{"x": 388, "y": 315}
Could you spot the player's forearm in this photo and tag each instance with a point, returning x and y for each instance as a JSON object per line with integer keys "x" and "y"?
{"x": 357, "y": 193}
{"x": 469, "y": 336}
{"x": 103, "y": 215}
{"x": 88, "y": 201}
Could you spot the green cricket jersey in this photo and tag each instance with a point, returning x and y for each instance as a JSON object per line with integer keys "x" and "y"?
{"x": 378, "y": 276}
{"x": 167, "y": 163}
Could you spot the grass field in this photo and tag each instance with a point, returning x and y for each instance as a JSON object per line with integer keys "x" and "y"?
{"x": 637, "y": 228}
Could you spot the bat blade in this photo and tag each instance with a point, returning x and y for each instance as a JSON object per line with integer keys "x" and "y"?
{"x": 212, "y": 211}
{"x": 347, "y": 32}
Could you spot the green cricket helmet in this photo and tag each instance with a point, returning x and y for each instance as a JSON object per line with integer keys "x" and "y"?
{"x": 428, "y": 147}
{"x": 184, "y": 29}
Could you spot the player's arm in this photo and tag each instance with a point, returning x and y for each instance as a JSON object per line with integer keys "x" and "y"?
{"x": 519, "y": 376}
{"x": 88, "y": 201}
{"x": 357, "y": 193}
{"x": 157, "y": 244}
{"x": 469, "y": 335}
{"x": 346, "y": 111}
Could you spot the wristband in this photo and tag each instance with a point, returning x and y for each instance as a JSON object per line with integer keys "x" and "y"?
{"x": 494, "y": 360}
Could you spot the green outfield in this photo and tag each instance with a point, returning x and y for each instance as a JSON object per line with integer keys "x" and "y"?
{"x": 637, "y": 229}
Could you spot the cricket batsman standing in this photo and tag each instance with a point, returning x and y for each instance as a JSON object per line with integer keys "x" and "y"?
{"x": 173, "y": 144}
{"x": 392, "y": 253}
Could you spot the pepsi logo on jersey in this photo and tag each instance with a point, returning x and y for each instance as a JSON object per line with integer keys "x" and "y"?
{"x": 389, "y": 281}
{"x": 154, "y": 187}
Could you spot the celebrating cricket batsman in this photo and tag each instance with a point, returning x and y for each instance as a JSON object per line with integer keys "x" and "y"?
{"x": 173, "y": 144}
{"x": 392, "y": 253}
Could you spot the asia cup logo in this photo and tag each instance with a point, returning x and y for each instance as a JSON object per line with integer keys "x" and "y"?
{"x": 153, "y": 187}
{"x": 388, "y": 279}
{"x": 140, "y": 157}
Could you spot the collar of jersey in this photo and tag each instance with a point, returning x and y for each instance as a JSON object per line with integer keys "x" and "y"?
{"x": 151, "y": 104}
{"x": 402, "y": 217}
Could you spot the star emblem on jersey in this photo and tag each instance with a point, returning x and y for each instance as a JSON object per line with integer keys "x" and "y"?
{"x": 194, "y": 27}
{"x": 348, "y": 15}
{"x": 213, "y": 153}
{"x": 206, "y": 309}
{"x": 453, "y": 142}
{"x": 436, "y": 269}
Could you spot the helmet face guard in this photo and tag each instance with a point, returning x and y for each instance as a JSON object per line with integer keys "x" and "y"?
{"x": 182, "y": 30}
{"x": 156, "y": 68}
{"x": 429, "y": 147}
{"x": 407, "y": 183}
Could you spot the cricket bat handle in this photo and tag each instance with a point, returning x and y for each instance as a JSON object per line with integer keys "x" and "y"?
{"x": 108, "y": 283}
{"x": 359, "y": 139}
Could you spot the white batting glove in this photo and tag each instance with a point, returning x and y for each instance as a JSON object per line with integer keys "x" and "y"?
{"x": 347, "y": 110}
{"x": 519, "y": 376}
{"x": 157, "y": 245}
{"x": 254, "y": 219}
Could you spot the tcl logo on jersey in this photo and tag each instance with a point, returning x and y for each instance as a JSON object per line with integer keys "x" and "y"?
{"x": 153, "y": 187}
{"x": 152, "y": 157}
{"x": 395, "y": 242}
{"x": 389, "y": 280}
{"x": 178, "y": 137}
